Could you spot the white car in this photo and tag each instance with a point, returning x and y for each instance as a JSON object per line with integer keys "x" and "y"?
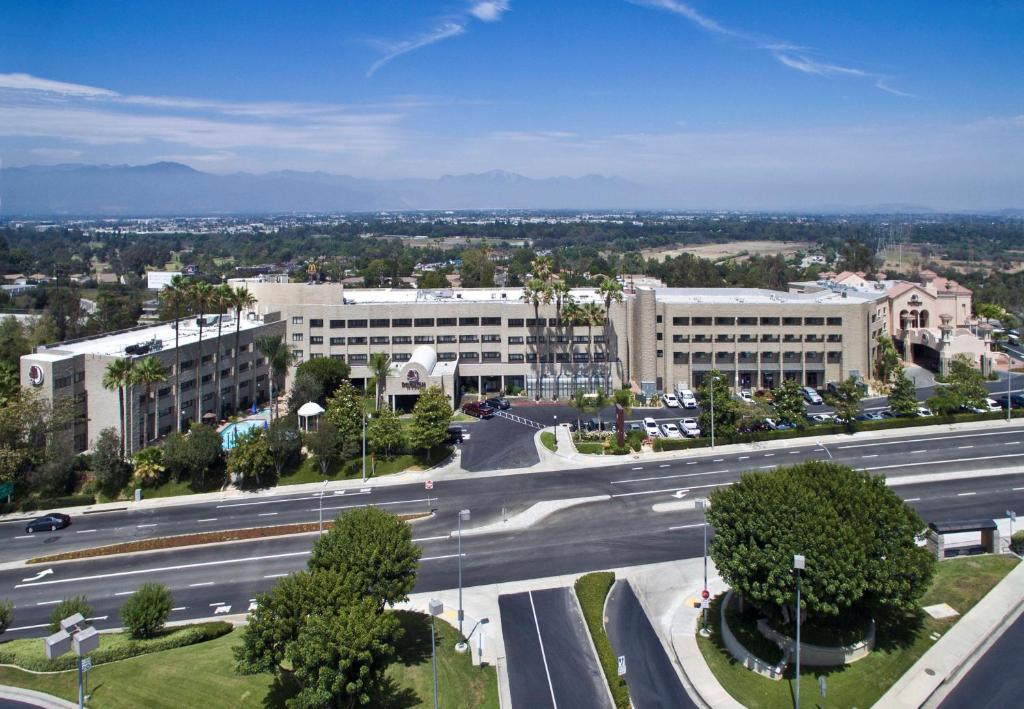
{"x": 670, "y": 430}
{"x": 689, "y": 427}
{"x": 811, "y": 396}
{"x": 989, "y": 406}
{"x": 651, "y": 428}
{"x": 923, "y": 411}
{"x": 670, "y": 401}
{"x": 746, "y": 396}
{"x": 687, "y": 399}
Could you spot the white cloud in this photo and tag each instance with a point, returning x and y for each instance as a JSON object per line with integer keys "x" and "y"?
{"x": 810, "y": 66}
{"x": 489, "y": 10}
{"x": 27, "y": 82}
{"x": 679, "y": 8}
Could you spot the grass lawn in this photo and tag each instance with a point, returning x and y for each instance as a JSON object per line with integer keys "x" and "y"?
{"x": 590, "y": 447}
{"x": 959, "y": 582}
{"x": 203, "y": 675}
{"x": 549, "y": 441}
{"x": 591, "y": 590}
{"x": 309, "y": 470}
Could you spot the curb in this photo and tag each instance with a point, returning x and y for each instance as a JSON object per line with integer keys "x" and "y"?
{"x": 590, "y": 639}
{"x": 34, "y": 698}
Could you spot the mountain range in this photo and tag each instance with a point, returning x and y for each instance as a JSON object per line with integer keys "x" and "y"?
{"x": 169, "y": 188}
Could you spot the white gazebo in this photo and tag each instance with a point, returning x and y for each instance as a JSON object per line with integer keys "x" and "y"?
{"x": 310, "y": 411}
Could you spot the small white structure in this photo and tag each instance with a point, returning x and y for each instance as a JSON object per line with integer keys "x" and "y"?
{"x": 158, "y": 280}
{"x": 310, "y": 411}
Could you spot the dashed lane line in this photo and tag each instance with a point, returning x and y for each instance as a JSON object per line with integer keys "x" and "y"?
{"x": 201, "y": 583}
{"x": 928, "y": 440}
{"x": 667, "y": 477}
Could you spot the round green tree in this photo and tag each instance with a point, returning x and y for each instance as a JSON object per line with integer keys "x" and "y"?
{"x": 146, "y": 610}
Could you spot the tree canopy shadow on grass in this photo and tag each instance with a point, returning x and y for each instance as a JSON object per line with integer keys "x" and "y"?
{"x": 414, "y": 647}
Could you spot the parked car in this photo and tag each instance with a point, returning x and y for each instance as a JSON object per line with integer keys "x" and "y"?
{"x": 48, "y": 523}
{"x": 687, "y": 399}
{"x": 500, "y": 403}
{"x": 989, "y": 406}
{"x": 746, "y": 396}
{"x": 651, "y": 428}
{"x": 923, "y": 411}
{"x": 812, "y": 397}
{"x": 869, "y": 416}
{"x": 689, "y": 427}
{"x": 633, "y": 426}
{"x": 454, "y": 435}
{"x": 775, "y": 425}
{"x": 478, "y": 409}
{"x": 670, "y": 430}
{"x": 887, "y": 414}
{"x": 821, "y": 418}
{"x": 670, "y": 400}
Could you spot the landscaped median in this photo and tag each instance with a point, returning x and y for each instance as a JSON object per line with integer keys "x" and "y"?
{"x": 592, "y": 590}
{"x": 187, "y": 540}
{"x": 960, "y": 583}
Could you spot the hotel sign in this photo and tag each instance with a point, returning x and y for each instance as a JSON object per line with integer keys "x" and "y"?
{"x": 412, "y": 380}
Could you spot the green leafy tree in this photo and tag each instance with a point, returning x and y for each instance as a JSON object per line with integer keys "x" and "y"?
{"x": 325, "y": 445}
{"x": 379, "y": 366}
{"x": 964, "y": 389}
{"x": 902, "y": 394}
{"x": 327, "y": 372}
{"x": 345, "y": 412}
{"x": 384, "y": 432}
{"x": 477, "y": 269}
{"x": 372, "y": 551}
{"x": 581, "y": 404}
{"x": 857, "y": 536}
{"x": 624, "y": 398}
{"x": 279, "y": 358}
{"x": 194, "y": 454}
{"x": 846, "y": 400}
{"x": 305, "y": 388}
{"x": 68, "y": 607}
{"x": 6, "y": 615}
{"x": 146, "y": 611}
{"x": 789, "y": 404}
{"x": 726, "y": 413}
{"x": 250, "y": 458}
{"x": 111, "y": 471}
{"x": 284, "y": 443}
{"x": 431, "y": 417}
{"x": 148, "y": 466}
{"x": 887, "y": 360}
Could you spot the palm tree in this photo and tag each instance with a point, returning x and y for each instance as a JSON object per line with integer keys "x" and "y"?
{"x": 241, "y": 299}
{"x": 147, "y": 373}
{"x": 572, "y": 316}
{"x": 562, "y": 295}
{"x": 222, "y": 295}
{"x": 118, "y": 375}
{"x": 379, "y": 365}
{"x": 279, "y": 357}
{"x": 534, "y": 294}
{"x": 202, "y": 297}
{"x": 175, "y": 298}
{"x": 611, "y": 291}
{"x": 542, "y": 267}
{"x": 591, "y": 314}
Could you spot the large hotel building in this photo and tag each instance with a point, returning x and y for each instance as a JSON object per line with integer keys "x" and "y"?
{"x": 489, "y": 340}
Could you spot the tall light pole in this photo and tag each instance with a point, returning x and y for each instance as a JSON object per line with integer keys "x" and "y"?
{"x": 436, "y": 608}
{"x": 713, "y": 380}
{"x": 798, "y": 564}
{"x": 461, "y": 645}
{"x": 1009, "y": 388}
{"x": 323, "y": 489}
{"x": 702, "y": 505}
{"x": 554, "y": 426}
{"x": 364, "y": 446}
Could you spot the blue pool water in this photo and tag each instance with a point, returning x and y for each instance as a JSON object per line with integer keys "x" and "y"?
{"x": 230, "y": 433}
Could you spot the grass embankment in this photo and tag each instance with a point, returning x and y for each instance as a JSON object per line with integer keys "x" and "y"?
{"x": 549, "y": 441}
{"x": 309, "y": 470}
{"x": 203, "y": 675}
{"x": 959, "y": 582}
{"x": 591, "y": 590}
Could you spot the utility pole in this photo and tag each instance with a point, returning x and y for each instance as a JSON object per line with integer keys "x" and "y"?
{"x": 714, "y": 379}
{"x": 436, "y": 608}
{"x": 798, "y": 564}
{"x": 364, "y": 446}
{"x": 461, "y": 645}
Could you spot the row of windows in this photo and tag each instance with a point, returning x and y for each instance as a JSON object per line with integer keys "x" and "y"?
{"x": 512, "y": 357}
{"x": 789, "y": 357}
{"x": 754, "y": 338}
{"x": 402, "y": 322}
{"x": 729, "y": 321}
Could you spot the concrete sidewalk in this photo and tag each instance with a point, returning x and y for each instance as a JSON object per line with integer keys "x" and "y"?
{"x": 941, "y": 666}
{"x": 35, "y": 699}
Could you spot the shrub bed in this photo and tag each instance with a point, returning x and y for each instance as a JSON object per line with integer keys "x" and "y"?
{"x": 590, "y": 448}
{"x": 591, "y": 590}
{"x": 47, "y": 503}
{"x": 28, "y": 654}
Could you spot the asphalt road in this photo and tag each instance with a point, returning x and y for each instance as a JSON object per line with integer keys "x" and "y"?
{"x": 622, "y": 528}
{"x": 652, "y": 680}
{"x": 550, "y": 661}
{"x": 996, "y": 680}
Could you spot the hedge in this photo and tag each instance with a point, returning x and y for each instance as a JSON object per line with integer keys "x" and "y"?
{"x": 591, "y": 590}
{"x": 52, "y": 503}
{"x": 590, "y": 448}
{"x": 28, "y": 653}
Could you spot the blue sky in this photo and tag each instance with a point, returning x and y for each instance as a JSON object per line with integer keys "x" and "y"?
{"x": 727, "y": 103}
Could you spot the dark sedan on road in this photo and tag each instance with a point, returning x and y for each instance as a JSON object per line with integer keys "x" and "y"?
{"x": 500, "y": 402}
{"x": 48, "y": 523}
{"x": 480, "y": 409}
{"x": 1017, "y": 399}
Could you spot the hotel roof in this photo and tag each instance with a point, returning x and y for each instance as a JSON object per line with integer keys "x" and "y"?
{"x": 761, "y": 296}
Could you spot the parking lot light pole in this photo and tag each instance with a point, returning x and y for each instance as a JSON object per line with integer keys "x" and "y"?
{"x": 461, "y": 645}
{"x": 436, "y": 608}
{"x": 798, "y": 564}
{"x": 702, "y": 505}
{"x": 554, "y": 427}
{"x": 364, "y": 446}
{"x": 713, "y": 380}
{"x": 1009, "y": 387}
{"x": 323, "y": 489}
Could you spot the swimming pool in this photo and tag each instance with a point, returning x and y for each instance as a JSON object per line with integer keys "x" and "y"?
{"x": 230, "y": 433}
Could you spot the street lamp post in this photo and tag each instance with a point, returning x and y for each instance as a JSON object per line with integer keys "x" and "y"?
{"x": 713, "y": 380}
{"x": 436, "y": 608}
{"x": 323, "y": 489}
{"x": 798, "y": 564}
{"x": 1009, "y": 387}
{"x": 364, "y": 446}
{"x": 702, "y": 505}
{"x": 554, "y": 427}
{"x": 461, "y": 645}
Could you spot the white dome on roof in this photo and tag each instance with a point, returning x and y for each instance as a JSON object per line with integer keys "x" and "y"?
{"x": 425, "y": 356}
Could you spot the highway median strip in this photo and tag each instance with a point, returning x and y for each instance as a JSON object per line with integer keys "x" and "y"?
{"x": 196, "y": 539}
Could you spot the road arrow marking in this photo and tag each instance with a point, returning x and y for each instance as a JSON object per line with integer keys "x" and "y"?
{"x": 222, "y": 610}
{"x": 680, "y": 494}
{"x": 41, "y": 574}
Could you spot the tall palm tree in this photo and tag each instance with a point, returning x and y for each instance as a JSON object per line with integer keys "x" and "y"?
{"x": 534, "y": 294}
{"x": 175, "y": 299}
{"x": 592, "y": 314}
{"x": 610, "y": 291}
{"x": 542, "y": 267}
{"x": 202, "y": 296}
{"x": 222, "y": 295}
{"x": 149, "y": 372}
{"x": 279, "y": 357}
{"x": 562, "y": 294}
{"x": 572, "y": 316}
{"x": 118, "y": 375}
{"x": 379, "y": 365}
{"x": 241, "y": 299}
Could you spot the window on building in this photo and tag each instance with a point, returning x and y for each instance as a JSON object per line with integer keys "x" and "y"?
{"x": 680, "y": 357}
{"x": 581, "y": 339}
{"x": 769, "y": 322}
{"x": 814, "y": 322}
{"x": 61, "y": 382}
{"x": 401, "y": 340}
{"x": 297, "y": 337}
{"x": 492, "y": 356}
{"x": 470, "y": 356}
{"x": 401, "y": 322}
{"x": 424, "y": 339}
{"x": 296, "y": 320}
{"x": 490, "y": 338}
{"x": 380, "y": 340}
{"x": 834, "y": 322}
{"x": 356, "y": 323}
{"x": 680, "y": 338}
{"x": 660, "y": 353}
{"x": 770, "y": 338}
{"x": 401, "y": 357}
{"x": 491, "y": 321}
{"x": 380, "y": 322}
{"x": 357, "y": 340}
{"x": 338, "y": 356}
{"x": 337, "y": 341}
{"x": 316, "y": 322}
{"x": 599, "y": 338}
{"x": 659, "y": 336}
{"x": 792, "y": 322}
{"x": 447, "y": 322}
{"x": 515, "y": 340}
{"x": 445, "y": 339}
{"x": 552, "y": 322}
{"x": 357, "y": 358}
{"x": 316, "y": 355}
{"x": 562, "y": 357}
{"x": 337, "y": 324}
{"x": 468, "y": 338}
{"x": 423, "y": 322}
{"x": 515, "y": 357}
{"x": 835, "y": 338}
{"x": 79, "y": 377}
{"x": 746, "y": 321}
{"x": 725, "y": 338}
{"x": 701, "y": 321}
{"x": 835, "y": 357}
{"x": 531, "y": 357}
{"x": 791, "y": 338}
{"x": 725, "y": 321}
{"x": 516, "y": 322}
{"x": 659, "y": 319}
{"x": 316, "y": 339}
{"x": 680, "y": 321}
{"x": 446, "y": 356}
{"x": 469, "y": 322}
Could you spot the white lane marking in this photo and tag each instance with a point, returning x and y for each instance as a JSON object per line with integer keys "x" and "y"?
{"x": 718, "y": 460}
{"x": 41, "y": 574}
{"x": 124, "y": 593}
{"x": 445, "y": 556}
{"x": 203, "y": 583}
{"x": 940, "y": 462}
{"x": 377, "y": 504}
{"x": 177, "y": 567}
{"x": 209, "y": 519}
{"x": 928, "y": 439}
{"x": 274, "y": 576}
{"x": 692, "y": 462}
{"x": 431, "y": 539}
{"x": 221, "y": 610}
{"x": 49, "y": 603}
{"x": 663, "y": 465}
{"x": 85, "y": 531}
{"x": 672, "y": 489}
{"x": 916, "y": 452}
{"x": 768, "y": 455}
{"x": 1018, "y": 488}
{"x": 960, "y": 448}
{"x": 543, "y": 655}
{"x": 913, "y": 499}
{"x": 793, "y": 452}
{"x": 143, "y": 526}
{"x": 179, "y": 608}
{"x": 743, "y": 457}
{"x": 268, "y": 502}
{"x": 873, "y": 455}
{"x": 1012, "y": 443}
{"x": 25, "y": 536}
{"x": 766, "y": 467}
{"x": 266, "y": 514}
{"x": 667, "y": 477}
{"x": 29, "y": 627}
{"x": 686, "y": 526}
{"x": 965, "y": 494}
{"x": 819, "y": 450}
{"x": 218, "y": 603}
{"x": 639, "y": 467}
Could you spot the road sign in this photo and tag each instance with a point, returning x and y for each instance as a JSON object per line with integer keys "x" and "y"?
{"x": 705, "y": 604}
{"x": 622, "y": 665}
{"x": 6, "y": 489}
{"x": 1009, "y": 513}
{"x": 86, "y": 664}
{"x": 705, "y": 594}
{"x": 429, "y": 485}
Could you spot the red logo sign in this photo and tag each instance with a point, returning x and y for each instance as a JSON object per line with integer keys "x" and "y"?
{"x": 412, "y": 376}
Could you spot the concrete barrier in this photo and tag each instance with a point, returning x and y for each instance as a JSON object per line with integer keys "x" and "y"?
{"x": 741, "y": 654}
{"x": 821, "y": 655}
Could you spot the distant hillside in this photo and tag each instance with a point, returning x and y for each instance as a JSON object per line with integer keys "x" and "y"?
{"x": 169, "y": 188}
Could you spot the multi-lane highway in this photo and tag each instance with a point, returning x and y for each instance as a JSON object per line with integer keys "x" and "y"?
{"x": 638, "y": 516}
